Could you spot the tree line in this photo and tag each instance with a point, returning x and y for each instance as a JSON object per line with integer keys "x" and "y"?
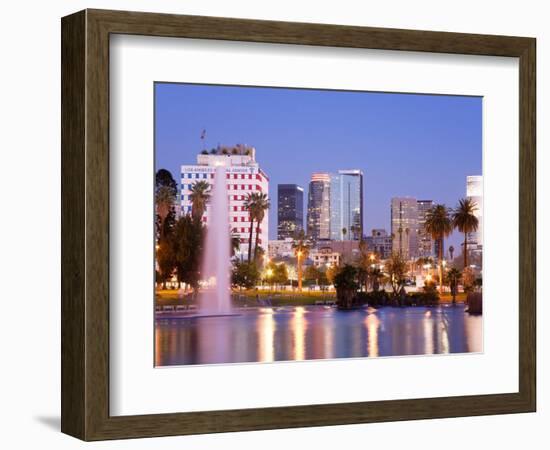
{"x": 179, "y": 240}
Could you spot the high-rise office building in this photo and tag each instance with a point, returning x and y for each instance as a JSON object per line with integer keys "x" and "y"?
{"x": 425, "y": 241}
{"x": 318, "y": 207}
{"x": 346, "y": 205}
{"x": 290, "y": 210}
{"x": 243, "y": 176}
{"x": 404, "y": 226}
{"x": 379, "y": 242}
{"x": 474, "y": 191}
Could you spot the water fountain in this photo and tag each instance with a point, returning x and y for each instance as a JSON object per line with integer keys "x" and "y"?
{"x": 215, "y": 297}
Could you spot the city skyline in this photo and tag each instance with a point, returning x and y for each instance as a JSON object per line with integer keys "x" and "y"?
{"x": 422, "y": 146}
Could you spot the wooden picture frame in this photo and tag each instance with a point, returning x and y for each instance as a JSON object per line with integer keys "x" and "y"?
{"x": 85, "y": 224}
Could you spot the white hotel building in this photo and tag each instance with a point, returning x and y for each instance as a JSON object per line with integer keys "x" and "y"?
{"x": 243, "y": 176}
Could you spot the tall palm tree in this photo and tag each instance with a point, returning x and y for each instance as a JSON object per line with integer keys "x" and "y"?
{"x": 451, "y": 252}
{"x": 465, "y": 221}
{"x": 301, "y": 250}
{"x": 400, "y": 231}
{"x": 164, "y": 200}
{"x": 439, "y": 225}
{"x": 262, "y": 205}
{"x": 344, "y": 233}
{"x": 407, "y": 232}
{"x": 199, "y": 197}
{"x": 250, "y": 206}
{"x": 235, "y": 243}
{"x": 453, "y": 277}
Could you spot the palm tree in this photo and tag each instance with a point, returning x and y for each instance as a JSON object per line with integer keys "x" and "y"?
{"x": 235, "y": 243}
{"x": 453, "y": 277}
{"x": 439, "y": 225}
{"x": 250, "y": 206}
{"x": 407, "y": 232}
{"x": 451, "y": 251}
{"x": 301, "y": 249}
{"x": 375, "y": 276}
{"x": 465, "y": 221}
{"x": 400, "y": 231}
{"x": 262, "y": 205}
{"x": 199, "y": 197}
{"x": 344, "y": 232}
{"x": 164, "y": 199}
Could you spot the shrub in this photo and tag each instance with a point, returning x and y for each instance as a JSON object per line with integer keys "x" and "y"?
{"x": 373, "y": 298}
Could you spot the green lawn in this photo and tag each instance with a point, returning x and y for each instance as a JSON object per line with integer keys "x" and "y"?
{"x": 278, "y": 298}
{"x": 240, "y": 298}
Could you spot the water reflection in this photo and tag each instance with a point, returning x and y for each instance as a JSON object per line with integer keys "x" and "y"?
{"x": 266, "y": 334}
{"x": 302, "y": 333}
{"x": 373, "y": 323}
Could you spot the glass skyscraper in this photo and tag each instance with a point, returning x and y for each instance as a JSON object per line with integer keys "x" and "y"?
{"x": 290, "y": 210}
{"x": 425, "y": 241}
{"x": 404, "y": 226}
{"x": 318, "y": 207}
{"x": 346, "y": 205}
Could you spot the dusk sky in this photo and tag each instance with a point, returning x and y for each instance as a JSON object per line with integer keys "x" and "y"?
{"x": 421, "y": 146}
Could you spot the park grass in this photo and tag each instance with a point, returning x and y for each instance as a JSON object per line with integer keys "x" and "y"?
{"x": 167, "y": 297}
{"x": 446, "y": 298}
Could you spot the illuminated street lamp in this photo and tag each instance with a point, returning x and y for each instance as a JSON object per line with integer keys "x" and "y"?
{"x": 299, "y": 256}
{"x": 269, "y": 273}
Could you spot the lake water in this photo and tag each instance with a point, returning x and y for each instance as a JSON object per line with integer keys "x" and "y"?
{"x": 315, "y": 332}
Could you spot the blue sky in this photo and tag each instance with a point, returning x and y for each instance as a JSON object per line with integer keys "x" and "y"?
{"x": 422, "y": 146}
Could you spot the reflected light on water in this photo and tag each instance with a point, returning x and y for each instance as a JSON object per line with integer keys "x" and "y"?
{"x": 427, "y": 324}
{"x": 444, "y": 335}
{"x": 299, "y": 327}
{"x": 158, "y": 351}
{"x": 372, "y": 323}
{"x": 266, "y": 334}
{"x": 328, "y": 342}
{"x": 310, "y": 332}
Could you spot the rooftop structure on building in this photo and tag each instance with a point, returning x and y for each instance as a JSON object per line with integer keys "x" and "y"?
{"x": 244, "y": 176}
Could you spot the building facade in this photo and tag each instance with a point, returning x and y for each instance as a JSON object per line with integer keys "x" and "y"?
{"x": 290, "y": 210}
{"x": 425, "y": 241}
{"x": 280, "y": 248}
{"x": 324, "y": 257}
{"x": 474, "y": 191}
{"x": 404, "y": 226}
{"x": 379, "y": 242}
{"x": 348, "y": 250}
{"x": 243, "y": 176}
{"x": 318, "y": 207}
{"x": 346, "y": 205}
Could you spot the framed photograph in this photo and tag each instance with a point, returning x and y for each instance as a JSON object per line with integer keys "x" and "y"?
{"x": 273, "y": 225}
